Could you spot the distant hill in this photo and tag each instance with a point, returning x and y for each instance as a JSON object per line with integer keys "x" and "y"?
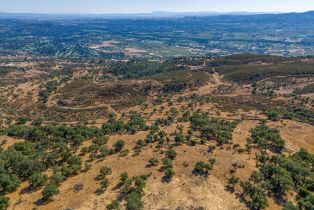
{"x": 236, "y": 16}
{"x": 157, "y": 14}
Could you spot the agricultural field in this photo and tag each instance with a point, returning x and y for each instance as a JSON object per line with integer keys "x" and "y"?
{"x": 290, "y": 34}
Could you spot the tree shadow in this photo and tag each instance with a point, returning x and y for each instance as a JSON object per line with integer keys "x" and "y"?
{"x": 42, "y": 201}
{"x": 243, "y": 200}
{"x": 201, "y": 174}
{"x": 99, "y": 178}
{"x": 166, "y": 179}
{"x": 99, "y": 191}
{"x": 26, "y": 190}
{"x": 228, "y": 188}
{"x": 118, "y": 186}
{"x": 278, "y": 198}
{"x": 149, "y": 165}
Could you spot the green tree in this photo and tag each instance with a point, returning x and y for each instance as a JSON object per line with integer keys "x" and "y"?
{"x": 290, "y": 206}
{"x": 123, "y": 177}
{"x": 57, "y": 178}
{"x": 167, "y": 162}
{"x": 267, "y": 138}
{"x": 202, "y": 167}
{"x": 105, "y": 171}
{"x": 100, "y": 141}
{"x": 169, "y": 173}
{"x": 272, "y": 114}
{"x": 233, "y": 181}
{"x": 114, "y": 205}
{"x": 179, "y": 138}
{"x": 9, "y": 182}
{"x": 4, "y": 203}
{"x": 171, "y": 154}
{"x": 278, "y": 179}
{"x": 118, "y": 146}
{"x": 21, "y": 120}
{"x": 104, "y": 184}
{"x": 134, "y": 202}
{"x": 38, "y": 180}
{"x": 49, "y": 191}
{"x": 153, "y": 161}
{"x": 38, "y": 122}
{"x": 259, "y": 201}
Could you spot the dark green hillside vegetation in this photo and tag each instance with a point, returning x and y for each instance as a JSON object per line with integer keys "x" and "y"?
{"x": 113, "y": 126}
{"x": 267, "y": 138}
{"x": 61, "y": 114}
{"x": 180, "y": 80}
{"x": 243, "y": 59}
{"x": 65, "y": 51}
{"x": 55, "y": 147}
{"x": 49, "y": 87}
{"x": 4, "y": 71}
{"x": 307, "y": 89}
{"x": 278, "y": 175}
{"x": 126, "y": 92}
{"x": 86, "y": 92}
{"x": 139, "y": 69}
{"x": 45, "y": 147}
{"x": 72, "y": 51}
{"x": 299, "y": 113}
{"x": 256, "y": 72}
{"x": 216, "y": 129}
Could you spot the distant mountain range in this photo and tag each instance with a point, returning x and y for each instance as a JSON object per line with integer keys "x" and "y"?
{"x": 157, "y": 14}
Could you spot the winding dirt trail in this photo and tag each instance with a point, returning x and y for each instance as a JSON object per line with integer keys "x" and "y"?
{"x": 216, "y": 79}
{"x": 89, "y": 107}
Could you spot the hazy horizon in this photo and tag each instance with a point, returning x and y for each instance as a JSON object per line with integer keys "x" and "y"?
{"x": 144, "y": 6}
{"x": 152, "y": 12}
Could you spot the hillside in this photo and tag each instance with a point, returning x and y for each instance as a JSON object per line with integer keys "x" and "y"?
{"x": 232, "y": 132}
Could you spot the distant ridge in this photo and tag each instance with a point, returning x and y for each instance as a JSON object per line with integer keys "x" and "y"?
{"x": 157, "y": 14}
{"x": 153, "y": 15}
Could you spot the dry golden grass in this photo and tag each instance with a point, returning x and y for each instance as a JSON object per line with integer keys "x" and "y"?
{"x": 186, "y": 191}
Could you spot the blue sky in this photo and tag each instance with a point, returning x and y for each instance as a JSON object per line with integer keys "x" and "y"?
{"x": 136, "y": 6}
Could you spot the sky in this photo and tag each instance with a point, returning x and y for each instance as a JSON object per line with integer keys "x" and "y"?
{"x": 144, "y": 6}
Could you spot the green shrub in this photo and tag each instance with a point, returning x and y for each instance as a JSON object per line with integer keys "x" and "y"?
{"x": 202, "y": 167}
{"x": 114, "y": 205}
{"x": 38, "y": 180}
{"x": 104, "y": 184}
{"x": 169, "y": 174}
{"x": 290, "y": 206}
{"x": 21, "y": 120}
{"x": 4, "y": 203}
{"x": 267, "y": 138}
{"x": 118, "y": 146}
{"x": 153, "y": 161}
{"x": 9, "y": 182}
{"x": 134, "y": 202}
{"x": 49, "y": 191}
{"x": 219, "y": 130}
{"x": 105, "y": 171}
{"x": 57, "y": 178}
{"x": 123, "y": 177}
{"x": 171, "y": 154}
